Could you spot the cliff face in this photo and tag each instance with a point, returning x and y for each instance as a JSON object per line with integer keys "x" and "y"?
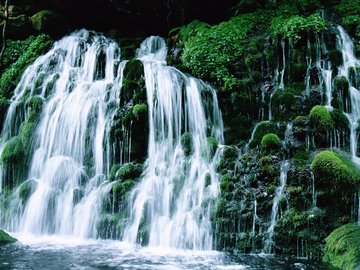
{"x": 287, "y": 79}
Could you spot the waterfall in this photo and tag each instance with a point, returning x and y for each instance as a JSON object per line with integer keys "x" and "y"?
{"x": 78, "y": 82}
{"x": 72, "y": 150}
{"x": 346, "y": 47}
{"x": 282, "y": 72}
{"x": 173, "y": 199}
{"x": 275, "y": 207}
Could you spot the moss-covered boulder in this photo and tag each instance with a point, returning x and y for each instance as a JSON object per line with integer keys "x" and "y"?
{"x": 187, "y": 143}
{"x": 6, "y": 238}
{"x": 330, "y": 166}
{"x": 13, "y": 151}
{"x": 49, "y": 22}
{"x": 342, "y": 247}
{"x": 320, "y": 118}
{"x": 270, "y": 142}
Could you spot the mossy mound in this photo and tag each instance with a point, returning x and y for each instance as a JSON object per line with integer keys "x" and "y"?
{"x": 6, "y": 238}
{"x": 49, "y": 22}
{"x": 13, "y": 151}
{"x": 342, "y": 247}
{"x": 320, "y": 118}
{"x": 329, "y": 165}
{"x": 270, "y": 142}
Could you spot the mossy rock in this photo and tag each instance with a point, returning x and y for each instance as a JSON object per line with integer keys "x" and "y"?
{"x": 268, "y": 167}
{"x": 6, "y": 238}
{"x": 26, "y": 189}
{"x": 342, "y": 93}
{"x": 212, "y": 145}
{"x": 320, "y": 119}
{"x": 335, "y": 57}
{"x": 139, "y": 111}
{"x": 133, "y": 87}
{"x": 330, "y": 165}
{"x": 340, "y": 120}
{"x": 342, "y": 247}
{"x": 49, "y": 22}
{"x": 187, "y": 143}
{"x": 270, "y": 142}
{"x": 283, "y": 105}
{"x": 13, "y": 151}
{"x": 262, "y": 129}
{"x": 127, "y": 171}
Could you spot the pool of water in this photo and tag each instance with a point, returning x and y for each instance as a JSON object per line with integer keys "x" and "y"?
{"x": 64, "y": 253}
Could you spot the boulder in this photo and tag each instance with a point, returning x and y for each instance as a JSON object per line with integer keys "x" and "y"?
{"x": 49, "y": 22}
{"x": 6, "y": 238}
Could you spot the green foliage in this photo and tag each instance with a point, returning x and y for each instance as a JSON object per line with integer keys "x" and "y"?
{"x": 139, "y": 110}
{"x": 11, "y": 76}
{"x": 6, "y": 238}
{"x": 321, "y": 118}
{"x": 187, "y": 143}
{"x": 213, "y": 52}
{"x": 349, "y": 11}
{"x": 14, "y": 49}
{"x": 342, "y": 247}
{"x": 294, "y": 27}
{"x": 190, "y": 30}
{"x": 330, "y": 166}
{"x": 13, "y": 151}
{"x": 270, "y": 141}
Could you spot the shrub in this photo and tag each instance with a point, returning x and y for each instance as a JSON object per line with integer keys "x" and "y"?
{"x": 11, "y": 76}
{"x": 213, "y": 52}
{"x": 342, "y": 247}
{"x": 321, "y": 118}
{"x": 294, "y": 27}
{"x": 270, "y": 141}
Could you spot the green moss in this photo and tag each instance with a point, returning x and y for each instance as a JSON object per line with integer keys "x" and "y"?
{"x": 212, "y": 145}
{"x": 11, "y": 76}
{"x": 330, "y": 166}
{"x": 133, "y": 87}
{"x": 129, "y": 171}
{"x": 262, "y": 129}
{"x": 320, "y": 118}
{"x": 26, "y": 189}
{"x": 342, "y": 247}
{"x": 26, "y": 132}
{"x": 13, "y": 151}
{"x": 187, "y": 143}
{"x": 270, "y": 142}
{"x": 113, "y": 171}
{"x": 335, "y": 57}
{"x": 139, "y": 110}
{"x": 339, "y": 119}
{"x": 6, "y": 238}
{"x": 268, "y": 168}
{"x": 283, "y": 104}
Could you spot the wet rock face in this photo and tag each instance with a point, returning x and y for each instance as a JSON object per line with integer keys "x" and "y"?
{"x": 157, "y": 16}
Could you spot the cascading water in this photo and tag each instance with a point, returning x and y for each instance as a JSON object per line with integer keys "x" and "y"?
{"x": 72, "y": 148}
{"x": 346, "y": 47}
{"x": 79, "y": 87}
{"x": 275, "y": 207}
{"x": 174, "y": 199}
